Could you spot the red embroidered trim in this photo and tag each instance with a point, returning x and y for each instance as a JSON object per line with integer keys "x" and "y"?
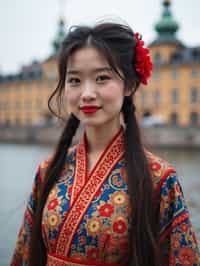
{"x": 109, "y": 158}
{"x": 80, "y": 170}
{"x": 55, "y": 260}
{"x": 164, "y": 177}
{"x": 119, "y": 133}
{"x": 176, "y": 222}
{"x": 80, "y": 176}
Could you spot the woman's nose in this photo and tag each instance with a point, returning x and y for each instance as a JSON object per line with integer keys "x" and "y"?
{"x": 88, "y": 92}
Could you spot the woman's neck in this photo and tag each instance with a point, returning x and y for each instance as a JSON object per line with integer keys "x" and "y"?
{"x": 99, "y": 137}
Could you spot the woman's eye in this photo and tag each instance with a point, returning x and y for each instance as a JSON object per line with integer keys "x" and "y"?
{"x": 102, "y": 78}
{"x": 73, "y": 81}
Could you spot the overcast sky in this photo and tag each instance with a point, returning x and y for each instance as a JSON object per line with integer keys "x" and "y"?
{"x": 27, "y": 27}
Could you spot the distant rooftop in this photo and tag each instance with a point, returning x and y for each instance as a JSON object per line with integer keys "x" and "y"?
{"x": 27, "y": 73}
{"x": 186, "y": 56}
{"x": 166, "y": 27}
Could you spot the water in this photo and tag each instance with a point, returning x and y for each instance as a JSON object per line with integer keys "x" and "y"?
{"x": 18, "y": 164}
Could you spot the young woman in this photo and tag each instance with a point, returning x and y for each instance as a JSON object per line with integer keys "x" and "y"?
{"x": 107, "y": 200}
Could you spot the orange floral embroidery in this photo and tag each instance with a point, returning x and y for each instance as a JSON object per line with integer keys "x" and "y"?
{"x": 119, "y": 198}
{"x": 93, "y": 226}
{"x": 53, "y": 220}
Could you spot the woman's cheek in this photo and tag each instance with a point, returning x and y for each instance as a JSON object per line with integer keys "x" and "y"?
{"x": 71, "y": 96}
{"x": 72, "y": 100}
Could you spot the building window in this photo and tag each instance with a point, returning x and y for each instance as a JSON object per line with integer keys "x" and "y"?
{"x": 157, "y": 97}
{"x": 157, "y": 58}
{"x": 174, "y": 96}
{"x": 194, "y": 72}
{"x": 174, "y": 119}
{"x": 194, "y": 95}
{"x": 174, "y": 74}
{"x": 193, "y": 119}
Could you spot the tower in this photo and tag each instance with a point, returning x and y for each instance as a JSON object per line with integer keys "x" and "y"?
{"x": 166, "y": 27}
{"x": 166, "y": 41}
{"x": 61, "y": 31}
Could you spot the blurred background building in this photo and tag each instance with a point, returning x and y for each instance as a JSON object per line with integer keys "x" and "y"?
{"x": 24, "y": 96}
{"x": 172, "y": 97}
{"x": 173, "y": 94}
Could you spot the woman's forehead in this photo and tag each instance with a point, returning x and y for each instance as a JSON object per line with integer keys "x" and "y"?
{"x": 87, "y": 58}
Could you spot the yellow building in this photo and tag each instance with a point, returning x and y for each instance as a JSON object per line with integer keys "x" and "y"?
{"x": 24, "y": 96}
{"x": 173, "y": 93}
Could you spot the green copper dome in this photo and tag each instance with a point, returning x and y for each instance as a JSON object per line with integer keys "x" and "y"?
{"x": 60, "y": 35}
{"x": 166, "y": 27}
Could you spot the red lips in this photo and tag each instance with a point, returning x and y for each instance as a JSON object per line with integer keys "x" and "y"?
{"x": 90, "y": 109}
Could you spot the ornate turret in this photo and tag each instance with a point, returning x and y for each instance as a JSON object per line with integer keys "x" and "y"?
{"x": 59, "y": 36}
{"x": 166, "y": 27}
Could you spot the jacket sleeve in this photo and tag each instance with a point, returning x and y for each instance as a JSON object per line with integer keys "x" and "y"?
{"x": 177, "y": 237}
{"x": 20, "y": 256}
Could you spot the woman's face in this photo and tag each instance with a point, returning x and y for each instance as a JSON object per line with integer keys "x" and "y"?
{"x": 93, "y": 92}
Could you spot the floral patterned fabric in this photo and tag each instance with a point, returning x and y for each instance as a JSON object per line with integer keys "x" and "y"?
{"x": 86, "y": 219}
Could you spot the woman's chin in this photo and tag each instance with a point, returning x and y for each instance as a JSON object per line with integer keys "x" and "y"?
{"x": 91, "y": 124}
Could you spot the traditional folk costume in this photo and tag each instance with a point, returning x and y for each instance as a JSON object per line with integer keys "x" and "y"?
{"x": 86, "y": 219}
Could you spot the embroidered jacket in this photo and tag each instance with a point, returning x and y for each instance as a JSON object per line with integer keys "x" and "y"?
{"x": 86, "y": 219}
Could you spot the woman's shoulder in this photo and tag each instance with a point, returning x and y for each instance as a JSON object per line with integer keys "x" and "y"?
{"x": 43, "y": 165}
{"x": 160, "y": 169}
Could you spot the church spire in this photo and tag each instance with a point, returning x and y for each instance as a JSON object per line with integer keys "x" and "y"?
{"x": 166, "y": 27}
{"x": 61, "y": 28}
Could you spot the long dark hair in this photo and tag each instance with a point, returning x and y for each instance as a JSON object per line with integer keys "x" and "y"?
{"x": 117, "y": 44}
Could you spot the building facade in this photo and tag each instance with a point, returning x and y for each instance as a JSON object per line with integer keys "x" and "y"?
{"x": 173, "y": 92}
{"x": 24, "y": 96}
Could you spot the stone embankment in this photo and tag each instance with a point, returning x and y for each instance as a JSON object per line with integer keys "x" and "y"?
{"x": 154, "y": 137}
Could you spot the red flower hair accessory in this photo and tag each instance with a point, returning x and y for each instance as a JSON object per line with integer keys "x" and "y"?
{"x": 143, "y": 64}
